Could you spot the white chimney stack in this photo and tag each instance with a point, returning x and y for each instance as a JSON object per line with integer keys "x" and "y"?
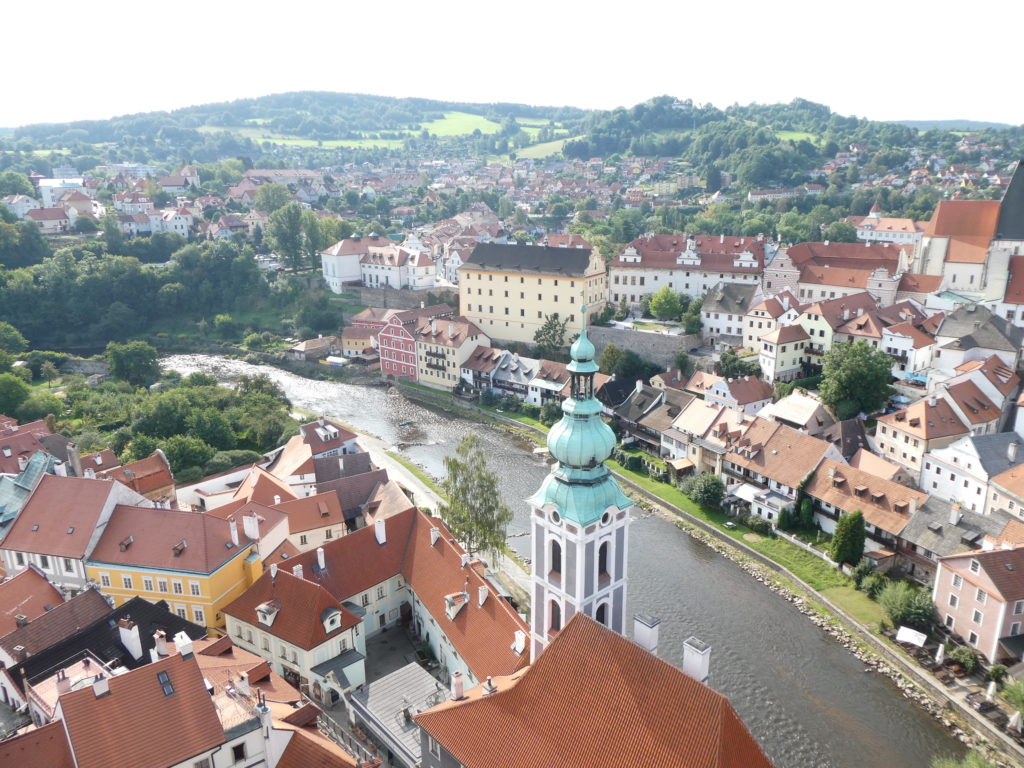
{"x": 277, "y": 499}
{"x": 465, "y": 560}
{"x": 481, "y": 592}
{"x": 160, "y": 638}
{"x": 380, "y": 531}
{"x": 184, "y": 645}
{"x": 457, "y": 687}
{"x": 101, "y": 686}
{"x": 273, "y": 571}
{"x": 297, "y": 571}
{"x": 435, "y": 533}
{"x": 22, "y": 463}
{"x": 697, "y": 659}
{"x": 519, "y": 645}
{"x": 130, "y": 639}
{"x": 321, "y": 562}
{"x": 932, "y": 400}
{"x": 233, "y": 526}
{"x": 645, "y": 632}
{"x": 1011, "y": 452}
{"x": 954, "y": 514}
{"x": 153, "y": 655}
{"x": 251, "y": 526}
{"x": 243, "y": 684}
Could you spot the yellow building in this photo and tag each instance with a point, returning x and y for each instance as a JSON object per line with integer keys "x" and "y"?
{"x": 509, "y": 290}
{"x": 821, "y": 319}
{"x": 442, "y": 346}
{"x": 197, "y": 562}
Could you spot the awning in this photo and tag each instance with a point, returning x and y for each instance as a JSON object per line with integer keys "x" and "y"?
{"x": 680, "y": 464}
{"x": 745, "y": 491}
{"x": 912, "y": 636}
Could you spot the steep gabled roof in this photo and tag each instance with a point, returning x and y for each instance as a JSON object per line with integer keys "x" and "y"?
{"x": 137, "y": 725}
{"x": 1010, "y": 225}
{"x": 61, "y": 621}
{"x": 970, "y": 226}
{"x": 568, "y": 262}
{"x": 661, "y": 716}
{"x": 27, "y": 594}
{"x": 44, "y": 747}
{"x": 885, "y": 504}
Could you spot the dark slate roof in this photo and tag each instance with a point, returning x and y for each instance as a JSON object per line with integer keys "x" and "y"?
{"x": 571, "y": 262}
{"x": 992, "y": 451}
{"x": 336, "y": 467}
{"x": 974, "y": 327}
{"x": 930, "y": 528}
{"x": 640, "y": 403}
{"x": 731, "y": 298}
{"x": 847, "y": 436}
{"x": 103, "y": 639}
{"x": 1011, "y": 210}
{"x": 614, "y": 392}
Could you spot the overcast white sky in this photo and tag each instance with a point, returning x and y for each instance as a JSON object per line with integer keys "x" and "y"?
{"x": 899, "y": 59}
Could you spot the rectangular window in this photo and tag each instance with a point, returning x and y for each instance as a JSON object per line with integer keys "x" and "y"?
{"x": 953, "y": 600}
{"x": 161, "y": 585}
{"x": 204, "y": 763}
{"x": 972, "y": 638}
{"x": 180, "y": 610}
{"x": 19, "y": 559}
{"x": 977, "y": 617}
{"x": 958, "y": 581}
{"x": 365, "y": 599}
{"x": 44, "y": 561}
{"x": 238, "y": 752}
{"x": 199, "y": 616}
{"x": 147, "y": 584}
{"x": 381, "y": 592}
{"x": 1018, "y": 608}
{"x": 433, "y": 746}
{"x": 126, "y": 581}
{"x": 329, "y": 534}
{"x": 981, "y": 596}
{"x": 68, "y": 567}
{"x": 975, "y": 566}
{"x": 266, "y": 644}
{"x": 178, "y": 587}
{"x": 1015, "y": 629}
{"x": 104, "y": 579}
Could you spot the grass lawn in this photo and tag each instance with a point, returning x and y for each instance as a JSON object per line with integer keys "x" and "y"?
{"x": 461, "y": 124}
{"x": 522, "y": 418}
{"x": 857, "y": 604}
{"x": 797, "y": 136}
{"x": 423, "y": 477}
{"x": 545, "y": 149}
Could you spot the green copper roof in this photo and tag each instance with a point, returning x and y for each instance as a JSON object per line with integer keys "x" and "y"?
{"x": 581, "y": 502}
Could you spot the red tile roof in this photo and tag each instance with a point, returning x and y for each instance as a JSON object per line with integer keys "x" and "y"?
{"x": 302, "y": 606}
{"x": 311, "y": 512}
{"x": 1015, "y": 285}
{"x": 973, "y": 403}
{"x": 885, "y": 504}
{"x": 969, "y": 224}
{"x": 136, "y": 725}
{"x": 60, "y": 516}
{"x": 27, "y": 594}
{"x": 929, "y": 422}
{"x": 145, "y": 476}
{"x": 45, "y": 747}
{"x": 786, "y": 334}
{"x": 60, "y": 622}
{"x": 659, "y": 716}
{"x": 911, "y": 283}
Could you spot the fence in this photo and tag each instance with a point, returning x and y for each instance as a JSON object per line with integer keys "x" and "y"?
{"x": 804, "y": 546}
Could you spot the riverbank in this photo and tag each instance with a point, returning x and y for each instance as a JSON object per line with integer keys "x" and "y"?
{"x": 794, "y": 574}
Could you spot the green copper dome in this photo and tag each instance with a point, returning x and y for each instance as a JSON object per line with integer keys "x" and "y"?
{"x": 580, "y": 486}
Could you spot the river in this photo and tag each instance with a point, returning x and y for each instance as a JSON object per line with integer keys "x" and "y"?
{"x": 805, "y": 698}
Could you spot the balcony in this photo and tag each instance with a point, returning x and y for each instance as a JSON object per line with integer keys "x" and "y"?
{"x": 435, "y": 366}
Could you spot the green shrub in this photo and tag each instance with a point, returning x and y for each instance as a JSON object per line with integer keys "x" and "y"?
{"x": 906, "y": 604}
{"x": 862, "y": 571}
{"x": 968, "y": 658}
{"x": 706, "y": 489}
{"x": 528, "y": 409}
{"x": 873, "y": 584}
{"x": 996, "y": 673}
{"x": 758, "y": 525}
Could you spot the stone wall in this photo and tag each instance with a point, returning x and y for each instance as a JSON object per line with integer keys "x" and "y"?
{"x": 88, "y": 367}
{"x": 391, "y": 298}
{"x": 656, "y": 347}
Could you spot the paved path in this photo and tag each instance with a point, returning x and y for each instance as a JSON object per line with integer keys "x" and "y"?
{"x": 426, "y": 497}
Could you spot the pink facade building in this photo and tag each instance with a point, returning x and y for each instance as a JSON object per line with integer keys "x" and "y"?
{"x": 396, "y": 341}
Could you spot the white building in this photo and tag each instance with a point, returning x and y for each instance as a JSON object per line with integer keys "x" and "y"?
{"x": 960, "y": 472}
{"x": 50, "y": 190}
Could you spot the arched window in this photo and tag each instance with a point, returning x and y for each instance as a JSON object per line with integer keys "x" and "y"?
{"x": 556, "y": 617}
{"x": 602, "y": 614}
{"x": 556, "y": 557}
{"x": 602, "y": 560}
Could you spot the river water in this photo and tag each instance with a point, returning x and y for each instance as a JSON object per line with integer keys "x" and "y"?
{"x": 805, "y": 698}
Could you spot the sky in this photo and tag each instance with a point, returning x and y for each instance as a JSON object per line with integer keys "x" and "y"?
{"x": 900, "y": 59}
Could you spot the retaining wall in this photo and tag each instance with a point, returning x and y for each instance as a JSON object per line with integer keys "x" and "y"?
{"x": 657, "y": 347}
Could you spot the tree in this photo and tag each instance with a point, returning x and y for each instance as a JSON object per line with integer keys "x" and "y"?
{"x": 848, "y": 539}
{"x": 11, "y": 339}
{"x": 665, "y": 304}
{"x": 684, "y": 363}
{"x": 474, "y": 513}
{"x": 841, "y": 232}
{"x": 113, "y": 238}
{"x": 550, "y": 337}
{"x": 284, "y": 233}
{"x": 135, "y": 362}
{"x": 855, "y": 378}
{"x": 270, "y": 197}
{"x": 907, "y": 604}
{"x": 550, "y": 412}
{"x": 13, "y": 392}
{"x": 13, "y": 183}
{"x": 706, "y": 489}
{"x": 610, "y": 358}
{"x": 39, "y": 406}
{"x": 1014, "y": 694}
{"x": 49, "y": 372}
{"x": 730, "y": 366}
{"x": 186, "y": 451}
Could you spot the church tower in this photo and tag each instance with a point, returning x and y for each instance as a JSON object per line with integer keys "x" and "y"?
{"x": 580, "y": 520}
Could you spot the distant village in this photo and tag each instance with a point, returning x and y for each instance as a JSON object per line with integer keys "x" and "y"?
{"x": 256, "y": 609}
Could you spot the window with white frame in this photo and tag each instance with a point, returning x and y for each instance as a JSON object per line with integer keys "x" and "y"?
{"x": 193, "y": 587}
{"x": 126, "y": 581}
{"x": 433, "y": 746}
{"x": 1015, "y": 629}
{"x": 162, "y": 585}
{"x": 981, "y": 596}
{"x": 1018, "y": 608}
{"x": 958, "y": 581}
{"x": 381, "y": 592}
{"x": 178, "y": 587}
{"x": 978, "y": 616}
{"x": 972, "y": 638}
{"x": 104, "y": 579}
{"x": 953, "y": 601}
{"x": 975, "y": 566}
{"x": 147, "y": 583}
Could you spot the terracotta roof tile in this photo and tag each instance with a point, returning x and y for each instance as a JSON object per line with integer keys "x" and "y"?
{"x": 885, "y": 504}
{"x": 311, "y": 512}
{"x": 146, "y": 476}
{"x": 45, "y": 747}
{"x": 926, "y": 421}
{"x": 27, "y": 594}
{"x": 911, "y": 283}
{"x": 308, "y": 748}
{"x": 105, "y": 731}
{"x": 61, "y": 621}
{"x": 786, "y": 334}
{"x": 782, "y": 453}
{"x": 661, "y": 716}
{"x": 973, "y": 403}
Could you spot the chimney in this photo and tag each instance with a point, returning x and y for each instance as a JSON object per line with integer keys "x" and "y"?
{"x": 954, "y": 514}
{"x": 639, "y": 385}
{"x": 297, "y": 571}
{"x": 1011, "y": 452}
{"x": 912, "y": 505}
{"x": 233, "y": 526}
{"x": 21, "y": 620}
{"x": 130, "y": 639}
{"x": 489, "y": 686}
{"x": 90, "y": 473}
{"x": 457, "y": 687}
{"x": 846, "y": 313}
{"x": 519, "y": 645}
{"x": 184, "y": 645}
{"x": 451, "y": 330}
{"x": 153, "y": 655}
{"x": 277, "y": 499}
{"x": 251, "y": 526}
{"x": 931, "y": 400}
{"x": 101, "y": 686}
{"x": 481, "y": 593}
{"x": 645, "y": 632}
{"x": 433, "y": 326}
{"x": 22, "y": 463}
{"x": 60, "y": 469}
{"x": 696, "y": 659}
{"x": 435, "y": 533}
{"x": 721, "y": 238}
{"x": 465, "y": 560}
{"x": 19, "y": 653}
{"x": 160, "y": 638}
{"x": 243, "y": 684}
{"x": 380, "y": 531}
{"x": 273, "y": 571}
{"x": 63, "y": 684}
{"x": 321, "y": 562}
{"x": 75, "y": 459}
